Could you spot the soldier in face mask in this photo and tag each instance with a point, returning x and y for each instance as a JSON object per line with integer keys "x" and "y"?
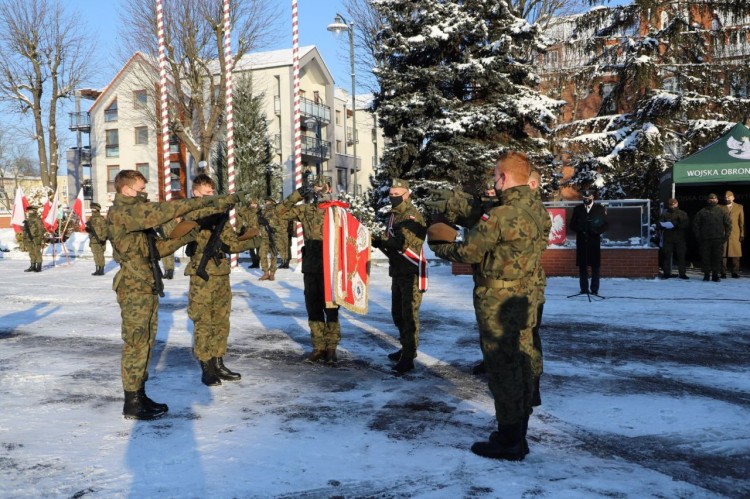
{"x": 589, "y": 221}
{"x": 402, "y": 243}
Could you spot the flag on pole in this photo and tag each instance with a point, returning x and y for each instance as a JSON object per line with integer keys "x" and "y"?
{"x": 49, "y": 216}
{"x": 78, "y": 210}
{"x": 20, "y": 203}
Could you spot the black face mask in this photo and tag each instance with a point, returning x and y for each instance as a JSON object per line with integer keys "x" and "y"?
{"x": 396, "y": 200}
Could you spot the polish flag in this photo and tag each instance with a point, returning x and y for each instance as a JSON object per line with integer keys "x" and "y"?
{"x": 50, "y": 216}
{"x": 78, "y": 210}
{"x": 20, "y": 203}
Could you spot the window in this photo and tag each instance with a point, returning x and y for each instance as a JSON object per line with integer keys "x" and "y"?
{"x": 338, "y": 117}
{"x": 174, "y": 170}
{"x": 174, "y": 144}
{"x": 140, "y": 99}
{"x": 113, "y": 144}
{"x": 316, "y": 97}
{"x": 112, "y": 171}
{"x": 144, "y": 169}
{"x": 341, "y": 179}
{"x": 664, "y": 19}
{"x": 141, "y": 135}
{"x": 374, "y": 135}
{"x": 338, "y": 147}
{"x": 608, "y": 103}
{"x": 110, "y": 114}
{"x": 670, "y": 84}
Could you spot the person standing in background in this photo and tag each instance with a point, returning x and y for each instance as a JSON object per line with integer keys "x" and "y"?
{"x": 674, "y": 224}
{"x": 712, "y": 228}
{"x": 96, "y": 226}
{"x": 589, "y": 222}
{"x": 733, "y": 246}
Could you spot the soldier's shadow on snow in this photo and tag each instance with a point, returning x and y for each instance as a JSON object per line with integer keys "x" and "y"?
{"x": 10, "y": 323}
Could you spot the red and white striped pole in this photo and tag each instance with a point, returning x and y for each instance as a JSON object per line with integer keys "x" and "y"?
{"x": 229, "y": 115}
{"x": 297, "y": 120}
{"x": 167, "y": 174}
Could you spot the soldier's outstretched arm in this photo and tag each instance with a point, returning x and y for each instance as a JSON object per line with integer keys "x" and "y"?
{"x": 144, "y": 216}
{"x": 234, "y": 245}
{"x": 480, "y": 240}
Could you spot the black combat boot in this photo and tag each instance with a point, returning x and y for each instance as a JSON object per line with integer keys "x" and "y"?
{"x": 495, "y": 435}
{"x": 38, "y": 267}
{"x": 32, "y": 268}
{"x": 150, "y": 404}
{"x": 209, "y": 377}
{"x": 223, "y": 372}
{"x": 479, "y": 369}
{"x": 506, "y": 443}
{"x": 284, "y": 264}
{"x": 716, "y": 278}
{"x": 101, "y": 270}
{"x": 331, "y": 358}
{"x": 135, "y": 407}
{"x": 706, "y": 276}
{"x": 395, "y": 355}
{"x": 403, "y": 365}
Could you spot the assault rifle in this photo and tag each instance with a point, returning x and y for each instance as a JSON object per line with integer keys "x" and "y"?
{"x": 264, "y": 222}
{"x": 213, "y": 247}
{"x": 153, "y": 257}
{"x": 90, "y": 230}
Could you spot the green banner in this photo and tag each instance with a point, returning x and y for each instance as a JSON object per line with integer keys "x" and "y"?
{"x": 725, "y": 160}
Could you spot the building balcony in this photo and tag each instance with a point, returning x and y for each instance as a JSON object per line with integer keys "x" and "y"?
{"x": 82, "y": 155}
{"x": 79, "y": 122}
{"x": 346, "y": 161}
{"x": 310, "y": 109}
{"x": 316, "y": 148}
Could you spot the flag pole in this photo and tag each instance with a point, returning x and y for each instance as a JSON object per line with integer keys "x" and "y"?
{"x": 229, "y": 64}
{"x": 166, "y": 171}
{"x": 297, "y": 121}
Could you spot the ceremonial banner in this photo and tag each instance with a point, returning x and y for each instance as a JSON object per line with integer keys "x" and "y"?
{"x": 559, "y": 226}
{"x": 346, "y": 258}
{"x": 20, "y": 203}
{"x": 78, "y": 210}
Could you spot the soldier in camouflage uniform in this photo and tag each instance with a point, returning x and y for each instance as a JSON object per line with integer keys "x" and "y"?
{"x": 712, "y": 227}
{"x": 406, "y": 231}
{"x": 33, "y": 238}
{"x": 269, "y": 247}
{"x": 247, "y": 220}
{"x": 505, "y": 249}
{"x": 96, "y": 226}
{"x": 129, "y": 221}
{"x": 168, "y": 261}
{"x": 325, "y": 330}
{"x": 210, "y": 301}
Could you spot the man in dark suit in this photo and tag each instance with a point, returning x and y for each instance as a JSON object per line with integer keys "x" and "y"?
{"x": 589, "y": 221}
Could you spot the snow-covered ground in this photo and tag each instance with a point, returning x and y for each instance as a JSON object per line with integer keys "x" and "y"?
{"x": 646, "y": 394}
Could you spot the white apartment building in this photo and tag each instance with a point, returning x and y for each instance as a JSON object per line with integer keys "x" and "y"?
{"x": 122, "y": 133}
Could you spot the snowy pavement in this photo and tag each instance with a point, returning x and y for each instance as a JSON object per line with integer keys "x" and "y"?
{"x": 646, "y": 394}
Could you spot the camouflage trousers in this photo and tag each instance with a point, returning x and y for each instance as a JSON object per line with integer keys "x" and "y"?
{"x": 267, "y": 256}
{"x": 98, "y": 251}
{"x": 405, "y": 301}
{"x": 139, "y": 313}
{"x": 35, "y": 253}
{"x": 325, "y": 331}
{"x": 506, "y": 337}
{"x": 531, "y": 341}
{"x": 168, "y": 262}
{"x": 209, "y": 304}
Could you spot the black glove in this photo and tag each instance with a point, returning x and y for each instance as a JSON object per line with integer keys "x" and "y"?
{"x": 376, "y": 242}
{"x": 438, "y": 200}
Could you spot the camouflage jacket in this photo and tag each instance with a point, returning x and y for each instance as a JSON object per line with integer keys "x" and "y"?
{"x": 466, "y": 210}
{"x": 127, "y": 221}
{"x": 33, "y": 230}
{"x": 97, "y": 224}
{"x": 712, "y": 222}
{"x": 311, "y": 217}
{"x": 208, "y": 219}
{"x": 247, "y": 218}
{"x": 680, "y": 222}
{"x": 406, "y": 230}
{"x": 539, "y": 278}
{"x": 506, "y": 243}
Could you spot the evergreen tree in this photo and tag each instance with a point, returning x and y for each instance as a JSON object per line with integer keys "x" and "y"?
{"x": 254, "y": 171}
{"x": 673, "y": 90}
{"x": 455, "y": 91}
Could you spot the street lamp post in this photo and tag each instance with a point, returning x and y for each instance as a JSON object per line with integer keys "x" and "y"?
{"x": 338, "y": 25}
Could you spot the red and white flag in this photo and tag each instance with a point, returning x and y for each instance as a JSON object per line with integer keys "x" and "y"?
{"x": 78, "y": 210}
{"x": 20, "y": 203}
{"x": 49, "y": 216}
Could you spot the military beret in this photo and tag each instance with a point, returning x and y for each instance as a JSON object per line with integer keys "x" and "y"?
{"x": 587, "y": 193}
{"x": 713, "y": 196}
{"x": 182, "y": 228}
{"x": 441, "y": 233}
{"x": 96, "y": 206}
{"x": 398, "y": 182}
